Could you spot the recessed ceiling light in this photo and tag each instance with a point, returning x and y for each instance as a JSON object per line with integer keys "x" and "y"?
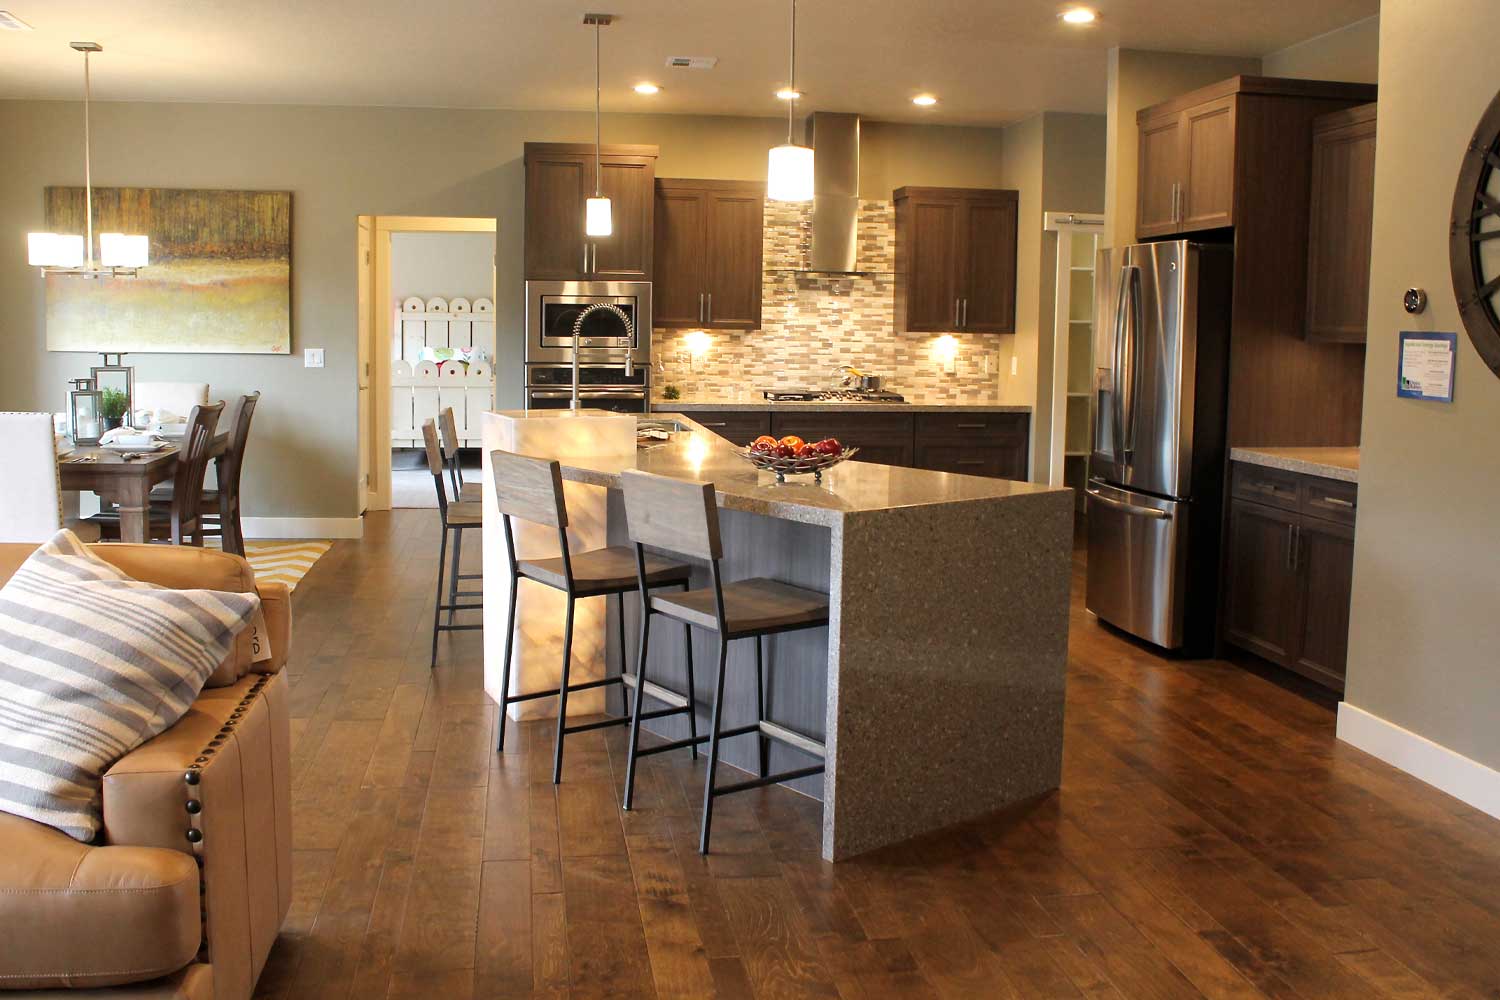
{"x": 1079, "y": 15}
{"x": 647, "y": 88}
{"x": 924, "y": 100}
{"x": 788, "y": 94}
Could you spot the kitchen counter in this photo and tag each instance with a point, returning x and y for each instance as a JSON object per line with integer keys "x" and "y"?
{"x": 762, "y": 406}
{"x": 937, "y": 686}
{"x": 1330, "y": 463}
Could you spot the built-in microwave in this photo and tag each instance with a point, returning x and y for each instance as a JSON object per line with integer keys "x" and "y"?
{"x": 607, "y": 335}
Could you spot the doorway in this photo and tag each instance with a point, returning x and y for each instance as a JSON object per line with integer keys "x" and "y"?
{"x": 426, "y": 314}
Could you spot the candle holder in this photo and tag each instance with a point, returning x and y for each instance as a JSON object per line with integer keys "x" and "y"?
{"x": 83, "y": 412}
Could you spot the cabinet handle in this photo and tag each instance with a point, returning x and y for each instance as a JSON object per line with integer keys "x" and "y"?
{"x": 585, "y": 258}
{"x": 955, "y": 313}
{"x": 969, "y": 461}
{"x": 720, "y": 423}
{"x": 1291, "y": 547}
{"x": 971, "y": 427}
{"x": 710, "y": 308}
{"x": 1339, "y": 502}
{"x": 965, "y": 322}
{"x": 700, "y": 307}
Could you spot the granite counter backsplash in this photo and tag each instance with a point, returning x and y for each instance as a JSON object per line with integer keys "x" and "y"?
{"x": 812, "y": 323}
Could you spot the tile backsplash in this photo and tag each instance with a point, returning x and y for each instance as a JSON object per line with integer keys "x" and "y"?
{"x": 812, "y": 323}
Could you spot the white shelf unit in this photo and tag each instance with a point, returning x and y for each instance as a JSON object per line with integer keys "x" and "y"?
{"x": 1073, "y": 348}
{"x": 420, "y": 390}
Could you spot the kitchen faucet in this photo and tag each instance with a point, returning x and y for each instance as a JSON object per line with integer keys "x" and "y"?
{"x": 629, "y": 343}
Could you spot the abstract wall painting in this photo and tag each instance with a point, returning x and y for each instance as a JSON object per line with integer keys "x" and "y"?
{"x": 219, "y": 281}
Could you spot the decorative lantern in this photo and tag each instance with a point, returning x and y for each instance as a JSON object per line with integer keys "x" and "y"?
{"x": 83, "y": 412}
{"x": 116, "y": 384}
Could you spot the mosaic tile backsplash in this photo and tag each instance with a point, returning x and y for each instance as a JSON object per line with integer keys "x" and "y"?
{"x": 812, "y": 323}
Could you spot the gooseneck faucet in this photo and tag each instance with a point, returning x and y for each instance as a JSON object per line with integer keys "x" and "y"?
{"x": 578, "y": 330}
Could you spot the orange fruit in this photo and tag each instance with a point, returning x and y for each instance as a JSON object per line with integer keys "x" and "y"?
{"x": 793, "y": 441}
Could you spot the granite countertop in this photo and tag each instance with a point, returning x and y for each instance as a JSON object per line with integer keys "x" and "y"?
{"x": 762, "y": 406}
{"x": 849, "y": 488}
{"x": 1330, "y": 463}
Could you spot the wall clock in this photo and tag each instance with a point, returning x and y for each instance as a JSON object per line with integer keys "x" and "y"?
{"x": 1474, "y": 246}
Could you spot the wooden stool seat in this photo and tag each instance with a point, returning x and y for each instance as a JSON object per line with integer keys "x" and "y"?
{"x": 465, "y": 512}
{"x": 609, "y": 570}
{"x": 751, "y": 607}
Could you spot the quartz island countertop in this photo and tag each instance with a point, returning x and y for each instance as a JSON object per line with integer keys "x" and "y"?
{"x": 937, "y": 685}
{"x": 1330, "y": 463}
{"x": 831, "y": 406}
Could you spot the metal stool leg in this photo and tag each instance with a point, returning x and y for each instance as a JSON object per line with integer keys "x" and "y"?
{"x": 713, "y": 748}
{"x": 437, "y": 611}
{"x": 692, "y": 696}
{"x": 510, "y": 636}
{"x": 458, "y": 556}
{"x": 635, "y": 711}
{"x": 562, "y": 695}
{"x": 760, "y": 703}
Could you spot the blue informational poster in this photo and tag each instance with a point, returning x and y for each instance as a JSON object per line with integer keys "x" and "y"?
{"x": 1426, "y": 366}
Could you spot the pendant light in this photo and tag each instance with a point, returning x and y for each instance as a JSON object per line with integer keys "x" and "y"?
{"x": 597, "y": 218}
{"x": 789, "y": 170}
{"x": 68, "y": 253}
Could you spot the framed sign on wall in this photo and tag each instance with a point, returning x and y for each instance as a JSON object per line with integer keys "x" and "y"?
{"x": 1426, "y": 365}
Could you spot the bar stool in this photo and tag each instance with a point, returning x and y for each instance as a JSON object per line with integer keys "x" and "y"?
{"x": 682, "y": 517}
{"x": 457, "y": 518}
{"x": 531, "y": 489}
{"x": 462, "y": 491}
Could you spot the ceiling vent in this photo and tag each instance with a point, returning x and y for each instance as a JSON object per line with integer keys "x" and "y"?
{"x": 10, "y": 22}
{"x": 692, "y": 62}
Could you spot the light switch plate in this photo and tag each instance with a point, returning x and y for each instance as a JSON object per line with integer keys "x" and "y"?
{"x": 312, "y": 357}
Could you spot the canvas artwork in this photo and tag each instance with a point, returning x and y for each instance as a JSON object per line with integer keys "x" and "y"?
{"x": 219, "y": 281}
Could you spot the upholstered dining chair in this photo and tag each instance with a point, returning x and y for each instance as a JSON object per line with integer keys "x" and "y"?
{"x": 175, "y": 398}
{"x": 219, "y": 507}
{"x": 182, "y": 520}
{"x": 31, "y": 501}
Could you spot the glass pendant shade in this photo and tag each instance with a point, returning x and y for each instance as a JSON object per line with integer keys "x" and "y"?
{"x": 789, "y": 173}
{"x": 54, "y": 250}
{"x": 120, "y": 250}
{"x": 597, "y": 218}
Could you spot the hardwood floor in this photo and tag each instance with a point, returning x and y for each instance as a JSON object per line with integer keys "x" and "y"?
{"x": 1211, "y": 839}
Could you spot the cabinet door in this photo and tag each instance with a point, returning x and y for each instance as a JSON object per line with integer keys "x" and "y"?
{"x": 989, "y": 292}
{"x": 556, "y": 184}
{"x": 1340, "y": 224}
{"x": 629, "y": 183}
{"x": 883, "y": 438}
{"x": 734, "y": 225}
{"x": 1261, "y": 602}
{"x": 934, "y": 268}
{"x": 1208, "y": 166}
{"x": 1325, "y": 580}
{"x": 993, "y": 461}
{"x": 677, "y": 292}
{"x": 1159, "y": 176}
{"x": 739, "y": 428}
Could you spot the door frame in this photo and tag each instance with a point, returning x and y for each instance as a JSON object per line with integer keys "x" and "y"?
{"x": 378, "y": 334}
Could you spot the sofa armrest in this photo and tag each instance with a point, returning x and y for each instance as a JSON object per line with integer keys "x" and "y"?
{"x": 276, "y": 605}
{"x": 217, "y": 786}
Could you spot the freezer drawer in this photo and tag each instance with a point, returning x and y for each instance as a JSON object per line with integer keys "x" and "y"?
{"x": 1137, "y": 562}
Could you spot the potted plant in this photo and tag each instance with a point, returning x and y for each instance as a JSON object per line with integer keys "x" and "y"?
{"x": 112, "y": 405}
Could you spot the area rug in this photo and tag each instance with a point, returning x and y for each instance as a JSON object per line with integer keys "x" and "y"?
{"x": 281, "y": 562}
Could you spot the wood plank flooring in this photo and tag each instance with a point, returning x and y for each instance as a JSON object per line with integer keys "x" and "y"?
{"x": 1211, "y": 839}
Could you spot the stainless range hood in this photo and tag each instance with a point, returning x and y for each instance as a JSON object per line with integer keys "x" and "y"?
{"x": 835, "y": 142}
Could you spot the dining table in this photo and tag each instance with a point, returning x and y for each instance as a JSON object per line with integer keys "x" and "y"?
{"x": 125, "y": 478}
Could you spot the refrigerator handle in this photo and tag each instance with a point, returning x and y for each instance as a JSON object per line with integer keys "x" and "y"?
{"x": 1127, "y": 308}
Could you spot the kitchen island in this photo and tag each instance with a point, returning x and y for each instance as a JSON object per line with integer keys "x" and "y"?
{"x": 937, "y": 686}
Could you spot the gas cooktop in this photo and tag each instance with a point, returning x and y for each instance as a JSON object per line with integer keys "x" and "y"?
{"x": 832, "y": 396}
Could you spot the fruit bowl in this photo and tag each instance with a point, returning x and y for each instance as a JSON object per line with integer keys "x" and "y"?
{"x": 795, "y": 465}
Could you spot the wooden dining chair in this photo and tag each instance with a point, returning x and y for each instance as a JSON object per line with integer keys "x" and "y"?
{"x": 462, "y": 491}
{"x": 220, "y": 507}
{"x": 457, "y": 517}
{"x": 182, "y": 520}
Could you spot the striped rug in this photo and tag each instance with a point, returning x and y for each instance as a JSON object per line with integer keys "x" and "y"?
{"x": 281, "y": 562}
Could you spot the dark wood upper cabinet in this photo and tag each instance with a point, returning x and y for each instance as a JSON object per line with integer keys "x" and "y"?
{"x": 709, "y": 238}
{"x": 1195, "y": 150}
{"x": 956, "y": 259}
{"x": 1340, "y": 225}
{"x": 559, "y": 178}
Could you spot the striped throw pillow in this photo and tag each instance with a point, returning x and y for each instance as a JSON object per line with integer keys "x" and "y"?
{"x": 92, "y": 665}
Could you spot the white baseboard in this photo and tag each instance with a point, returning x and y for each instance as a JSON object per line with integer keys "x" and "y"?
{"x": 303, "y": 527}
{"x": 1466, "y": 780}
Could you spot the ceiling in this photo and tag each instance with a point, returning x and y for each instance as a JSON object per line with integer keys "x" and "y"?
{"x": 990, "y": 61}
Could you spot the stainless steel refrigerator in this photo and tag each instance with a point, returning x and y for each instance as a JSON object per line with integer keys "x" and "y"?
{"x": 1157, "y": 466}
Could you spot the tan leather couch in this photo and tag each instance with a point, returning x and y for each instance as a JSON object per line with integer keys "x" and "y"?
{"x": 191, "y": 878}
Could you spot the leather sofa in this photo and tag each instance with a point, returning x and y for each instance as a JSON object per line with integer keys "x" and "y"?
{"x": 186, "y": 887}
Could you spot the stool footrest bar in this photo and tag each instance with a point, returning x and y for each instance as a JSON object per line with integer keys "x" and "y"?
{"x": 770, "y": 779}
{"x": 655, "y": 690}
{"x": 674, "y": 745}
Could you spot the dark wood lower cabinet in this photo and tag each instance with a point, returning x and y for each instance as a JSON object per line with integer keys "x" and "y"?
{"x": 974, "y": 444}
{"x": 1290, "y": 573}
